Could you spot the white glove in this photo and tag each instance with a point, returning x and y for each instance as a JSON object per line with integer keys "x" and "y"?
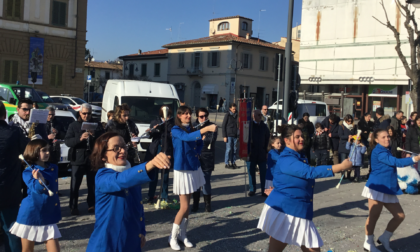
{"x": 35, "y": 137}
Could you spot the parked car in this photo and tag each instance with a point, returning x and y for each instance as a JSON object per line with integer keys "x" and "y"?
{"x": 76, "y": 104}
{"x": 65, "y": 118}
{"x": 12, "y": 93}
{"x": 58, "y": 106}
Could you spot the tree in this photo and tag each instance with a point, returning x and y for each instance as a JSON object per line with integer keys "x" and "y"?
{"x": 88, "y": 55}
{"x": 412, "y": 69}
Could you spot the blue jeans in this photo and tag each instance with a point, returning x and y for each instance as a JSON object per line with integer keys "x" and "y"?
{"x": 343, "y": 156}
{"x": 153, "y": 184}
{"x": 251, "y": 175}
{"x": 207, "y": 186}
{"x": 230, "y": 154}
{"x": 8, "y": 216}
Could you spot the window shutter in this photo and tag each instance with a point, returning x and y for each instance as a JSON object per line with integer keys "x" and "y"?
{"x": 250, "y": 61}
{"x": 55, "y": 11}
{"x": 192, "y": 60}
{"x": 209, "y": 59}
{"x": 53, "y": 75}
{"x": 281, "y": 67}
{"x": 17, "y": 7}
{"x": 7, "y": 68}
{"x": 218, "y": 59}
{"x": 62, "y": 13}
{"x": 59, "y": 76}
{"x": 201, "y": 60}
{"x": 265, "y": 63}
{"x": 14, "y": 74}
{"x": 274, "y": 65}
{"x": 9, "y": 8}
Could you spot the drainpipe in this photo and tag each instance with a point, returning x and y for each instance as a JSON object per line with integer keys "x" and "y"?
{"x": 75, "y": 42}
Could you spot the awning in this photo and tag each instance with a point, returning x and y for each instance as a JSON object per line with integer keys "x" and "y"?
{"x": 210, "y": 89}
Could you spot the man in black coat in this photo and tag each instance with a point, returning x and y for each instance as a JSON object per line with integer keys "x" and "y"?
{"x": 206, "y": 159}
{"x": 81, "y": 144}
{"x": 157, "y": 133}
{"x": 331, "y": 127}
{"x": 12, "y": 144}
{"x": 260, "y": 136}
{"x": 382, "y": 121}
{"x": 55, "y": 133}
{"x": 230, "y": 136}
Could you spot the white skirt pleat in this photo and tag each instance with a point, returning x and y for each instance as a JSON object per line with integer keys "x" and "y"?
{"x": 289, "y": 229}
{"x": 268, "y": 184}
{"x": 187, "y": 182}
{"x": 36, "y": 233}
{"x": 378, "y": 196}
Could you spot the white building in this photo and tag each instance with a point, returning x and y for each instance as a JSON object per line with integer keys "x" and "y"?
{"x": 344, "y": 49}
{"x": 101, "y": 72}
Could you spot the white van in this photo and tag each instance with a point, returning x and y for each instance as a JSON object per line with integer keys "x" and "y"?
{"x": 317, "y": 111}
{"x": 144, "y": 99}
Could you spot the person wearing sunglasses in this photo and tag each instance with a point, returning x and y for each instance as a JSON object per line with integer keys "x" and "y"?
{"x": 120, "y": 220}
{"x": 81, "y": 144}
{"x": 207, "y": 159}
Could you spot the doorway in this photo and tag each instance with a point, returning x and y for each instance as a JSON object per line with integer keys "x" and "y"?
{"x": 389, "y": 104}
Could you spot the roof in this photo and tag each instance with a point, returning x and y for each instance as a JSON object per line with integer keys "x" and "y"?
{"x": 103, "y": 65}
{"x": 222, "y": 38}
{"x": 215, "y": 19}
{"x": 160, "y": 53}
{"x": 155, "y": 52}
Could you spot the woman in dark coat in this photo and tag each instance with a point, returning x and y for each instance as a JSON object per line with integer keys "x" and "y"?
{"x": 308, "y": 130}
{"x": 412, "y": 140}
{"x": 394, "y": 143}
{"x": 206, "y": 160}
{"x": 366, "y": 126}
{"x": 345, "y": 129}
{"x": 412, "y": 121}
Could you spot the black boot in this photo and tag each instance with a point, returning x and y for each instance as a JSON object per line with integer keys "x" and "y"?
{"x": 196, "y": 201}
{"x": 207, "y": 201}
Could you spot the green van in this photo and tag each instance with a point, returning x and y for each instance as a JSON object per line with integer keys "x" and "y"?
{"x": 11, "y": 93}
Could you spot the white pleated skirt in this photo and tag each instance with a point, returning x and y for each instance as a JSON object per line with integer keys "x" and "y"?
{"x": 36, "y": 233}
{"x": 268, "y": 184}
{"x": 378, "y": 196}
{"x": 187, "y": 182}
{"x": 289, "y": 229}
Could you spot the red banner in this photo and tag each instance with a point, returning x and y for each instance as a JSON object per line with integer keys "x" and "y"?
{"x": 245, "y": 108}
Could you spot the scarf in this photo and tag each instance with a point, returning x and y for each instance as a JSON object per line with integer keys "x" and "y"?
{"x": 348, "y": 126}
{"x": 24, "y": 125}
{"x": 319, "y": 133}
{"x": 118, "y": 168}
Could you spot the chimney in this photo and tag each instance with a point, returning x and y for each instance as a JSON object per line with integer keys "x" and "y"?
{"x": 139, "y": 52}
{"x": 247, "y": 36}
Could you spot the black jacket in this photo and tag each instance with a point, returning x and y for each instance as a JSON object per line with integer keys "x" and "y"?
{"x": 55, "y": 150}
{"x": 40, "y": 129}
{"x": 344, "y": 134}
{"x": 122, "y": 130}
{"x": 207, "y": 157}
{"x": 412, "y": 140}
{"x": 333, "y": 129}
{"x": 308, "y": 125}
{"x": 382, "y": 123}
{"x": 230, "y": 125}
{"x": 259, "y": 142}
{"x": 321, "y": 142}
{"x": 393, "y": 144}
{"x": 396, "y": 124}
{"x": 12, "y": 144}
{"x": 58, "y": 126}
{"x": 79, "y": 152}
{"x": 158, "y": 138}
{"x": 366, "y": 128}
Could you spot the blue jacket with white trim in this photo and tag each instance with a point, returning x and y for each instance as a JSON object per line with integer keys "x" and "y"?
{"x": 294, "y": 181}
{"x": 187, "y": 149}
{"x": 383, "y": 177}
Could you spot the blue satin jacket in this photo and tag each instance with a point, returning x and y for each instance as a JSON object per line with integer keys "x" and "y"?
{"x": 187, "y": 149}
{"x": 273, "y": 155}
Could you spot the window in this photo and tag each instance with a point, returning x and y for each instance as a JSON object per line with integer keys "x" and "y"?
{"x": 143, "y": 70}
{"x": 144, "y": 109}
{"x": 59, "y": 13}
{"x": 92, "y": 73}
{"x": 131, "y": 71}
{"x": 196, "y": 60}
{"x": 67, "y": 101}
{"x": 56, "y": 75}
{"x": 157, "y": 69}
{"x": 246, "y": 60}
{"x": 298, "y": 35}
{"x": 213, "y": 59}
{"x": 245, "y": 26}
{"x": 5, "y": 94}
{"x": 223, "y": 26}
{"x": 181, "y": 60}
{"x": 321, "y": 110}
{"x": 116, "y": 102}
{"x": 263, "y": 63}
{"x": 10, "y": 71}
{"x": 27, "y": 92}
{"x": 13, "y": 9}
{"x": 107, "y": 75}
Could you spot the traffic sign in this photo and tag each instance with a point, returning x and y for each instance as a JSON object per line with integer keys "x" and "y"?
{"x": 89, "y": 78}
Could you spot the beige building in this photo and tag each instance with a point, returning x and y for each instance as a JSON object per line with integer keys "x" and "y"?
{"x": 295, "y": 42}
{"x": 43, "y": 41}
{"x": 229, "y": 63}
{"x": 101, "y": 72}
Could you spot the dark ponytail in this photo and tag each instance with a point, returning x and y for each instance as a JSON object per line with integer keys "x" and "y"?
{"x": 375, "y": 134}
{"x": 287, "y": 131}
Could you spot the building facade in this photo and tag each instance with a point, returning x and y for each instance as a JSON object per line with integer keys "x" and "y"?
{"x": 42, "y": 42}
{"x": 350, "y": 57}
{"x": 229, "y": 63}
{"x": 100, "y": 73}
{"x": 147, "y": 66}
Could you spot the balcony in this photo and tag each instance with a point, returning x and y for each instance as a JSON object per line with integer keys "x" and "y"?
{"x": 195, "y": 72}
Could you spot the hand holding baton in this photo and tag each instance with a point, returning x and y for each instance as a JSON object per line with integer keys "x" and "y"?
{"x": 50, "y": 193}
{"x": 412, "y": 153}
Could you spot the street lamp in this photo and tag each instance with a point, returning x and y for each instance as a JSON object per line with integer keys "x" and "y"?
{"x": 415, "y": 3}
{"x": 259, "y": 21}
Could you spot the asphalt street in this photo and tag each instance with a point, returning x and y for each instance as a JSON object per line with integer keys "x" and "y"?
{"x": 339, "y": 215}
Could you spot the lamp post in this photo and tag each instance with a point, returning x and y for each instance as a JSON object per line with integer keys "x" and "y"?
{"x": 288, "y": 55}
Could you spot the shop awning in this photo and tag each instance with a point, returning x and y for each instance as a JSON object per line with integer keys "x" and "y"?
{"x": 210, "y": 89}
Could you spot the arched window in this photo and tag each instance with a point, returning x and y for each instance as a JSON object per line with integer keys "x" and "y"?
{"x": 245, "y": 26}
{"x": 223, "y": 26}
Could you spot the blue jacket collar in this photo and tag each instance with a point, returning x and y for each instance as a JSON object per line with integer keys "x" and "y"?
{"x": 383, "y": 148}
{"x": 287, "y": 150}
{"x": 40, "y": 167}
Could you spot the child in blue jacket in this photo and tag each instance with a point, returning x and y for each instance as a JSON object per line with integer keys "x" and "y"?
{"x": 39, "y": 213}
{"x": 356, "y": 155}
{"x": 273, "y": 155}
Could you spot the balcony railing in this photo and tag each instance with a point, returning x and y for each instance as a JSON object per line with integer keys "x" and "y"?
{"x": 195, "y": 72}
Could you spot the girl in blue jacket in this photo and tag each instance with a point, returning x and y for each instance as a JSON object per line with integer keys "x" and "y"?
{"x": 356, "y": 155}
{"x": 119, "y": 213}
{"x": 288, "y": 211}
{"x": 39, "y": 213}
{"x": 382, "y": 189}
{"x": 273, "y": 155}
{"x": 188, "y": 176}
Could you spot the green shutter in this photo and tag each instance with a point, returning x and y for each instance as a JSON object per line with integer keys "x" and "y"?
{"x": 55, "y": 11}
{"x": 62, "y": 14}
{"x": 59, "y": 75}
{"x": 9, "y": 8}
{"x": 53, "y": 75}
{"x": 7, "y": 68}
{"x": 14, "y": 72}
{"x": 17, "y": 8}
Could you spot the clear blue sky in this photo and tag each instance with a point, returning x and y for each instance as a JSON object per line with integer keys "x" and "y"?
{"x": 121, "y": 27}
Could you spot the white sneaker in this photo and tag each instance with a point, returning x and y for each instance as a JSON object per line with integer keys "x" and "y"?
{"x": 384, "y": 240}
{"x": 173, "y": 242}
{"x": 369, "y": 244}
{"x": 182, "y": 235}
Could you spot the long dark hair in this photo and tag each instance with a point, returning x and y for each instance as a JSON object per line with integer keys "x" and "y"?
{"x": 287, "y": 131}
{"x": 181, "y": 110}
{"x": 375, "y": 134}
{"x": 393, "y": 137}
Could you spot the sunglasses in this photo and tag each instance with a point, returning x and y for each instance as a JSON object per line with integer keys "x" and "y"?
{"x": 51, "y": 114}
{"x": 89, "y": 113}
{"x": 26, "y": 109}
{"x": 118, "y": 148}
{"x": 204, "y": 116}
